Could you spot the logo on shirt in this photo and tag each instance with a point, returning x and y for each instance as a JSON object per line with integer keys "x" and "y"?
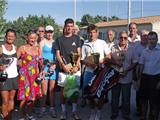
{"x": 73, "y": 44}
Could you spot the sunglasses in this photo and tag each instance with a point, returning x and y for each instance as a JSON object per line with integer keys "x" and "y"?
{"x": 125, "y": 38}
{"x": 41, "y": 31}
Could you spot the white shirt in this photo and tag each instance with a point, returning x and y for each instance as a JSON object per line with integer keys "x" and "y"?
{"x": 11, "y": 68}
{"x": 151, "y": 61}
{"x": 132, "y": 42}
{"x": 97, "y": 46}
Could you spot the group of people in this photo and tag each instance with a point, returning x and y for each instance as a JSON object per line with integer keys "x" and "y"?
{"x": 45, "y": 63}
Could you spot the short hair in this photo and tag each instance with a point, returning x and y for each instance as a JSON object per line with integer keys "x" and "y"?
{"x": 10, "y": 30}
{"x": 91, "y": 27}
{"x": 132, "y": 23}
{"x": 68, "y": 20}
{"x": 123, "y": 32}
{"x": 31, "y": 32}
{"x": 153, "y": 33}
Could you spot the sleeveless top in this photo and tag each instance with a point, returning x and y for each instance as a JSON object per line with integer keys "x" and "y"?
{"x": 48, "y": 52}
{"x": 12, "y": 67}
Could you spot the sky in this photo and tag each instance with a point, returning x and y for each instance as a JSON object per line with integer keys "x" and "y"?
{"x": 62, "y": 9}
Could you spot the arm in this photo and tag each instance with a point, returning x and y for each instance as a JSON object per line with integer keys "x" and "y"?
{"x": 66, "y": 68}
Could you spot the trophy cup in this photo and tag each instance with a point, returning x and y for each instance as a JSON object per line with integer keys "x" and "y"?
{"x": 74, "y": 57}
{"x": 121, "y": 56}
{"x": 4, "y": 62}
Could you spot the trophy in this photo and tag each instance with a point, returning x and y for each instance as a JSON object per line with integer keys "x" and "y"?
{"x": 39, "y": 79}
{"x": 121, "y": 56}
{"x": 4, "y": 61}
{"x": 74, "y": 57}
{"x": 49, "y": 63}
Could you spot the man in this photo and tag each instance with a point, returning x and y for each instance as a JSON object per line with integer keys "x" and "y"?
{"x": 139, "y": 47}
{"x": 76, "y": 31}
{"x": 66, "y": 44}
{"x": 133, "y": 36}
{"x": 149, "y": 75}
{"x": 122, "y": 57}
{"x": 111, "y": 38}
{"x": 93, "y": 45}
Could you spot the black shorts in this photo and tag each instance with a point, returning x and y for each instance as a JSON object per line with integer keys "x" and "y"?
{"x": 9, "y": 84}
{"x": 148, "y": 88}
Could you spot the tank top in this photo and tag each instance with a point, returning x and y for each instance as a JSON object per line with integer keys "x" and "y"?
{"x": 48, "y": 52}
{"x": 12, "y": 67}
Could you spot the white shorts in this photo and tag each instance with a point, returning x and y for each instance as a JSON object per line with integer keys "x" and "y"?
{"x": 62, "y": 78}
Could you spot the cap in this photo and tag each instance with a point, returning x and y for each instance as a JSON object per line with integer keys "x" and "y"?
{"x": 49, "y": 28}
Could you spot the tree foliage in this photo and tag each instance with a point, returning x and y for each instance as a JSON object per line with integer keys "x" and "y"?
{"x": 23, "y": 25}
{"x": 88, "y": 19}
{"x": 3, "y": 7}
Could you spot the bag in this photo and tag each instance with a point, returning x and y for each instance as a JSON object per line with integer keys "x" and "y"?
{"x": 71, "y": 88}
{"x": 103, "y": 81}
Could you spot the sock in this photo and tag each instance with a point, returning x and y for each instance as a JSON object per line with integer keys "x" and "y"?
{"x": 63, "y": 107}
{"x": 74, "y": 107}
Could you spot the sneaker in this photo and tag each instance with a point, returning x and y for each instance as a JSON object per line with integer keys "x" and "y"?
{"x": 98, "y": 115}
{"x": 53, "y": 112}
{"x": 92, "y": 115}
{"x": 63, "y": 116}
{"x": 75, "y": 116}
{"x": 42, "y": 112}
{"x": 30, "y": 117}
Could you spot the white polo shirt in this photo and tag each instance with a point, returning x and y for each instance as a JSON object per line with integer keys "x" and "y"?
{"x": 97, "y": 46}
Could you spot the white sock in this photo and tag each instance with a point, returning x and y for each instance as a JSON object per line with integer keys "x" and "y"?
{"x": 74, "y": 107}
{"x": 63, "y": 107}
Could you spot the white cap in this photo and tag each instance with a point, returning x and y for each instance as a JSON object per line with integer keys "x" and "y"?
{"x": 49, "y": 28}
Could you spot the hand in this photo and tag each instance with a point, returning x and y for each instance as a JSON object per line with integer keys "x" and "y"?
{"x": 74, "y": 69}
{"x": 67, "y": 68}
{"x": 2, "y": 67}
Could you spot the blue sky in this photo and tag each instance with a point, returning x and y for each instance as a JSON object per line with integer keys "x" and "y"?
{"x": 62, "y": 9}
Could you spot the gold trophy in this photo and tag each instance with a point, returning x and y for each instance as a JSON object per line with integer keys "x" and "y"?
{"x": 74, "y": 57}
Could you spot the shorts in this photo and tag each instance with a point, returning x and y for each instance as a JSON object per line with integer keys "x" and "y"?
{"x": 62, "y": 77}
{"x": 9, "y": 84}
{"x": 53, "y": 76}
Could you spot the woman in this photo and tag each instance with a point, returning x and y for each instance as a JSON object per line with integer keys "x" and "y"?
{"x": 10, "y": 85}
{"x": 48, "y": 54}
{"x": 29, "y": 90}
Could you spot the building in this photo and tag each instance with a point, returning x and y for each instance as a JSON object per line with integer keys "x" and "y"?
{"x": 151, "y": 23}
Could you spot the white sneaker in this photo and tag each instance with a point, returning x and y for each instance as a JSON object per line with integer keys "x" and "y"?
{"x": 92, "y": 115}
{"x": 63, "y": 116}
{"x": 98, "y": 115}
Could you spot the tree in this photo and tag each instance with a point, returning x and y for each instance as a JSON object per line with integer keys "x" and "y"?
{"x": 88, "y": 19}
{"x": 23, "y": 25}
{"x": 3, "y": 6}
